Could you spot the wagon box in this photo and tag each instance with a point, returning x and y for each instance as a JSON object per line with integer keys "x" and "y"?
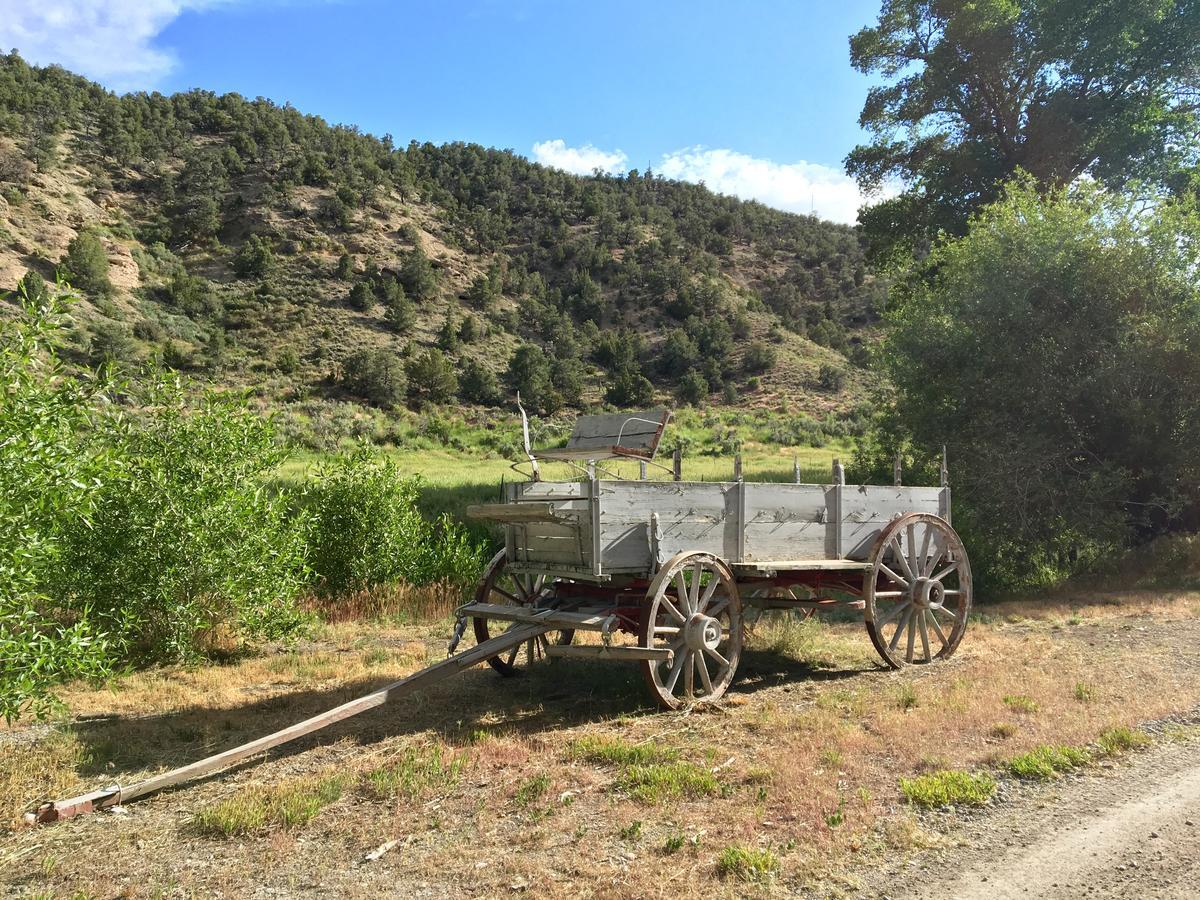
{"x": 665, "y": 568}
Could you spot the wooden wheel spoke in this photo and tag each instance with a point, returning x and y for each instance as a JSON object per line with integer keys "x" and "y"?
{"x": 895, "y": 641}
{"x": 713, "y": 584}
{"x": 896, "y": 611}
{"x": 697, "y": 575}
{"x": 888, "y": 595}
{"x": 671, "y": 610}
{"x": 953, "y": 567}
{"x": 665, "y": 629}
{"x": 682, "y": 661}
{"x": 496, "y": 589}
{"x": 912, "y": 637}
{"x": 715, "y": 654}
{"x": 719, "y": 607}
{"x": 924, "y": 634}
{"x": 689, "y": 676}
{"x": 892, "y": 576}
{"x": 937, "y": 629}
{"x": 902, "y": 559}
{"x": 682, "y": 593}
{"x": 923, "y": 559}
{"x": 702, "y": 669}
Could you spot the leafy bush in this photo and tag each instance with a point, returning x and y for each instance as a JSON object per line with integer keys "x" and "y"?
{"x": 831, "y": 378}
{"x": 760, "y": 357}
{"x": 431, "y": 378}
{"x": 255, "y": 259}
{"x": 46, "y": 469}
{"x": 86, "y": 264}
{"x": 366, "y": 529}
{"x": 127, "y": 538}
{"x": 1053, "y": 346}
{"x": 182, "y": 545}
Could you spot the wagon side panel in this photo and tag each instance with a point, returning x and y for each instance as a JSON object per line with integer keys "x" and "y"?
{"x": 564, "y": 543}
{"x": 867, "y": 508}
{"x": 689, "y": 516}
{"x": 785, "y": 522}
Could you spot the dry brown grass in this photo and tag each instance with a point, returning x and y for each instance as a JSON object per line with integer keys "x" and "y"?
{"x": 802, "y": 761}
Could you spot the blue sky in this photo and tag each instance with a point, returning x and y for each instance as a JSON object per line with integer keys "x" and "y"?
{"x": 755, "y": 98}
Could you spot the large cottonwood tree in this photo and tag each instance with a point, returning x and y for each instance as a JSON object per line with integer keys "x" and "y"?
{"x": 974, "y": 90}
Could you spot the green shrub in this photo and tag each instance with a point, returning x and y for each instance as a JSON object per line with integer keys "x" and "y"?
{"x": 255, "y": 259}
{"x": 47, "y": 466}
{"x": 1120, "y": 739}
{"x": 127, "y": 537}
{"x": 86, "y": 264}
{"x": 376, "y": 376}
{"x": 366, "y": 529}
{"x": 181, "y": 539}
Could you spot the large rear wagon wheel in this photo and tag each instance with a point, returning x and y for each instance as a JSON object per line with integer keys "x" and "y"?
{"x": 693, "y": 609}
{"x": 504, "y": 588}
{"x": 917, "y": 594}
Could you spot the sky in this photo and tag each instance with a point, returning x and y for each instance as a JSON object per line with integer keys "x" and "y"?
{"x": 755, "y": 98}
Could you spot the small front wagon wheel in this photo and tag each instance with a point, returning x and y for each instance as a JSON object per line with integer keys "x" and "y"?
{"x": 504, "y": 588}
{"x": 693, "y": 609}
{"x": 917, "y": 594}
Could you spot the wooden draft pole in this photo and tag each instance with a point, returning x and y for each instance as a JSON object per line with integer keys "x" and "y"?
{"x": 56, "y": 810}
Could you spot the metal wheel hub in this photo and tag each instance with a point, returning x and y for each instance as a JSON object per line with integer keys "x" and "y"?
{"x": 928, "y": 593}
{"x": 702, "y": 631}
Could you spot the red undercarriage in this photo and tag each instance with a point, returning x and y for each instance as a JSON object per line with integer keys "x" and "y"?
{"x": 627, "y": 598}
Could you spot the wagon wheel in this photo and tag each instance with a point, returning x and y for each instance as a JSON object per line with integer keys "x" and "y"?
{"x": 693, "y": 609}
{"x": 505, "y": 588}
{"x": 917, "y": 594}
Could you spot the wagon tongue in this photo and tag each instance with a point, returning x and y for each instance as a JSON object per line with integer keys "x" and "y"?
{"x": 56, "y": 810}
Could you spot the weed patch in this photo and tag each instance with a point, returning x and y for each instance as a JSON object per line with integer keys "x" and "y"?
{"x": 1121, "y": 739}
{"x": 416, "y": 772}
{"x": 747, "y": 864}
{"x": 948, "y": 788}
{"x": 657, "y": 782}
{"x": 616, "y": 752}
{"x": 287, "y": 806}
{"x": 531, "y": 790}
{"x": 1046, "y": 762}
{"x": 1021, "y": 703}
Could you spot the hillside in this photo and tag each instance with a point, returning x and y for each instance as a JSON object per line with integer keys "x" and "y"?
{"x": 253, "y": 246}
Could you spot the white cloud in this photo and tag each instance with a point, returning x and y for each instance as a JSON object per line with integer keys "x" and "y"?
{"x": 578, "y": 160}
{"x": 110, "y": 40}
{"x": 800, "y": 187}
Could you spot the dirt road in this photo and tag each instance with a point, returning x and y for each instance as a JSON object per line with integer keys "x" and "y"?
{"x": 1132, "y": 830}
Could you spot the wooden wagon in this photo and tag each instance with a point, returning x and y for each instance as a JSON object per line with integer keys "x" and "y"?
{"x": 664, "y": 571}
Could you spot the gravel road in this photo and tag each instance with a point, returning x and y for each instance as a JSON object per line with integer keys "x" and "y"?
{"x": 1131, "y": 830}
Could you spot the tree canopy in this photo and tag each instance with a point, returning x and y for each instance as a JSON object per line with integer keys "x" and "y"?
{"x": 975, "y": 90}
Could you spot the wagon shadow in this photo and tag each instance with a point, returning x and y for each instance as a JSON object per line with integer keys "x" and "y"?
{"x": 559, "y": 696}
